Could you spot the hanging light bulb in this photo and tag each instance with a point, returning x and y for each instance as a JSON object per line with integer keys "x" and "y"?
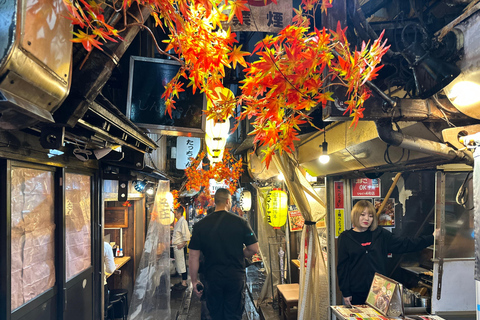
{"x": 324, "y": 158}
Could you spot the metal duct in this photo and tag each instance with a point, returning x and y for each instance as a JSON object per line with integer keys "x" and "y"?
{"x": 35, "y": 61}
{"x": 396, "y": 138}
{"x": 363, "y": 150}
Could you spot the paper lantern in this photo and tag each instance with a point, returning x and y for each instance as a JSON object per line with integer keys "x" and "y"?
{"x": 215, "y": 157}
{"x": 217, "y": 130}
{"x": 165, "y": 204}
{"x": 245, "y": 200}
{"x": 215, "y": 145}
{"x": 277, "y": 208}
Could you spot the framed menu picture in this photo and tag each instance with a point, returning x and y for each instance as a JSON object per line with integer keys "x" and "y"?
{"x": 295, "y": 220}
{"x": 387, "y": 216}
{"x": 385, "y": 296}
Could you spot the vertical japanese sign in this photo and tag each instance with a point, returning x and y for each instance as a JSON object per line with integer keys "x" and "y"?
{"x": 339, "y": 208}
{"x": 187, "y": 147}
{"x": 264, "y": 16}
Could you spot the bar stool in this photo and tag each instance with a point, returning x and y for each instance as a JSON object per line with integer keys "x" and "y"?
{"x": 121, "y": 309}
{"x": 110, "y": 312}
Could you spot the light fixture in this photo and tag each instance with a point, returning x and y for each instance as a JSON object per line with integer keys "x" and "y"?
{"x": 219, "y": 129}
{"x": 277, "y": 208}
{"x": 281, "y": 177}
{"x": 430, "y": 74}
{"x": 463, "y": 93}
{"x": 150, "y": 190}
{"x": 215, "y": 157}
{"x": 216, "y": 143}
{"x": 324, "y": 158}
{"x": 140, "y": 185}
{"x": 102, "y": 152}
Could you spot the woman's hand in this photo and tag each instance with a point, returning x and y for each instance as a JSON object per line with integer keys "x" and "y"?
{"x": 180, "y": 246}
{"x": 347, "y": 301}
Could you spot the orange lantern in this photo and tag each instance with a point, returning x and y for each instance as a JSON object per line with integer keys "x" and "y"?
{"x": 277, "y": 208}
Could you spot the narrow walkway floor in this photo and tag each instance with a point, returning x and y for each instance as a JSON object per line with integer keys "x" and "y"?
{"x": 187, "y": 306}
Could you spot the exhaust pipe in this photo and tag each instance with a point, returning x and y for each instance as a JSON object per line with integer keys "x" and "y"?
{"x": 398, "y": 139}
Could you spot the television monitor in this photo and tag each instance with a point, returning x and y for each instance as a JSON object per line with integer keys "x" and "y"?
{"x": 146, "y": 107}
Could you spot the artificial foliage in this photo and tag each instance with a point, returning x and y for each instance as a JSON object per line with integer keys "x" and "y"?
{"x": 228, "y": 171}
{"x": 294, "y": 73}
{"x": 176, "y": 203}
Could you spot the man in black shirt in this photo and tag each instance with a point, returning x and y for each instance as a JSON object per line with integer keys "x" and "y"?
{"x": 225, "y": 239}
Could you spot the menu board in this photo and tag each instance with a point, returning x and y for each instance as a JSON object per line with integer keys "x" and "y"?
{"x": 357, "y": 312}
{"x": 385, "y": 296}
{"x": 295, "y": 220}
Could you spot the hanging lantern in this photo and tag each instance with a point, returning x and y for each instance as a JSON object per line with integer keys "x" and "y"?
{"x": 217, "y": 130}
{"x": 277, "y": 208}
{"x": 245, "y": 200}
{"x": 215, "y": 157}
{"x": 166, "y": 215}
{"x": 213, "y": 144}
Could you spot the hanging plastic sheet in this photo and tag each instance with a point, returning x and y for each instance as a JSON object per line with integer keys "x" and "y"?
{"x": 151, "y": 293}
{"x": 32, "y": 234}
{"x": 78, "y": 216}
{"x": 266, "y": 232}
{"x": 313, "y": 301}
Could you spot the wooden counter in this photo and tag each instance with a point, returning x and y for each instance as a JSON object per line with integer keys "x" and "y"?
{"x": 119, "y": 262}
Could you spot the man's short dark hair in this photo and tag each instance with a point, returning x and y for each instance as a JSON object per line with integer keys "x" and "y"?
{"x": 179, "y": 210}
{"x": 221, "y": 196}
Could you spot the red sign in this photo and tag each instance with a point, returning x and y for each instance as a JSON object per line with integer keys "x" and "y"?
{"x": 339, "y": 195}
{"x": 366, "y": 188}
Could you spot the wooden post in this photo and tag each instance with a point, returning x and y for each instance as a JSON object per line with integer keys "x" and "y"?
{"x": 389, "y": 193}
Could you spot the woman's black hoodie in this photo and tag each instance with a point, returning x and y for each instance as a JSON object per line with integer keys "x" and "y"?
{"x": 358, "y": 262}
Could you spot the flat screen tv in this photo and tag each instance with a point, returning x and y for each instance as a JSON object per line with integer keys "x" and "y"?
{"x": 146, "y": 107}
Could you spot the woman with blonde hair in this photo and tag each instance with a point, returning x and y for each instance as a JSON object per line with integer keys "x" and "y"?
{"x": 363, "y": 250}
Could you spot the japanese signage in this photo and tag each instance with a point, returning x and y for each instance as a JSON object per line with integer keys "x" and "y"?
{"x": 269, "y": 17}
{"x": 339, "y": 194}
{"x": 214, "y": 186}
{"x": 339, "y": 201}
{"x": 366, "y": 188}
{"x": 339, "y": 222}
{"x": 295, "y": 219}
{"x": 187, "y": 147}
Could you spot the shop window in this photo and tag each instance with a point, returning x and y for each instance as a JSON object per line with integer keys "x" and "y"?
{"x": 78, "y": 215}
{"x": 32, "y": 234}
{"x": 457, "y": 215}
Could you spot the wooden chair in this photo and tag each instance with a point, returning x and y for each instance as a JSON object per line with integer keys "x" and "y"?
{"x": 288, "y": 295}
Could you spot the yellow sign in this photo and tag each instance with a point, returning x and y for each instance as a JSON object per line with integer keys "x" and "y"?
{"x": 339, "y": 222}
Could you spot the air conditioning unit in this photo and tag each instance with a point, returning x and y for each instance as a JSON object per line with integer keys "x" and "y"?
{"x": 35, "y": 61}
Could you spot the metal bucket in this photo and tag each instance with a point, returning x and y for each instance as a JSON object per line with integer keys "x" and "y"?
{"x": 423, "y": 301}
{"x": 408, "y": 298}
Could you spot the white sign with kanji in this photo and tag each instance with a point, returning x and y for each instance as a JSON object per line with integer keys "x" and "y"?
{"x": 187, "y": 147}
{"x": 264, "y": 16}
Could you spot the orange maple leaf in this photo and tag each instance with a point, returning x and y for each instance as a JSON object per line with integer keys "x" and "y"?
{"x": 237, "y": 56}
{"x": 87, "y": 40}
{"x": 236, "y": 7}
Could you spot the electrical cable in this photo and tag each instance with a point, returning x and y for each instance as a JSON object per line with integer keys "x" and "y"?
{"x": 462, "y": 194}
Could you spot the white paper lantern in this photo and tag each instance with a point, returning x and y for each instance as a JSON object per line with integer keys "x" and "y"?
{"x": 245, "y": 200}
{"x": 217, "y": 130}
{"x": 215, "y": 143}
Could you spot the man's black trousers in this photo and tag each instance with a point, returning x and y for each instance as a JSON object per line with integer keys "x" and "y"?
{"x": 225, "y": 298}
